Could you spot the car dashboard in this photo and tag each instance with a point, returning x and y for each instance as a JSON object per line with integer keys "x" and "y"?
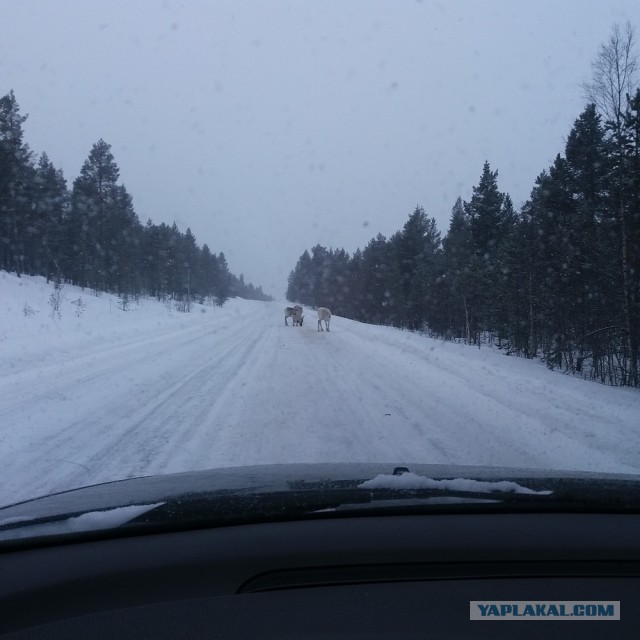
{"x": 399, "y": 576}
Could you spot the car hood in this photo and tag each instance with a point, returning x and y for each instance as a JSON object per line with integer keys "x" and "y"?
{"x": 266, "y": 493}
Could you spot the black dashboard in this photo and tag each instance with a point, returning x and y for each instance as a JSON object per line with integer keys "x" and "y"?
{"x": 411, "y": 576}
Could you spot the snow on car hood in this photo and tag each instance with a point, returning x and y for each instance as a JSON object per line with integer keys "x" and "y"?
{"x": 412, "y": 481}
{"x": 90, "y": 521}
{"x": 258, "y": 488}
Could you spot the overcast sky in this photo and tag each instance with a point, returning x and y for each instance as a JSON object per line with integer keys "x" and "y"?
{"x": 268, "y": 126}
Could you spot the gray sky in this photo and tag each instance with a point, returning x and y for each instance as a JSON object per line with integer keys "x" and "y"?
{"x": 268, "y": 126}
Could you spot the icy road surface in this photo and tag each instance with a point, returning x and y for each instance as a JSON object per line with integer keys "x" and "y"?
{"x": 115, "y": 394}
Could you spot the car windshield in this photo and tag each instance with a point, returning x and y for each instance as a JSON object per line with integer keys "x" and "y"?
{"x": 243, "y": 234}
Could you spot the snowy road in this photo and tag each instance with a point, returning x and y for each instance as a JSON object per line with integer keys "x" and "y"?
{"x": 237, "y": 387}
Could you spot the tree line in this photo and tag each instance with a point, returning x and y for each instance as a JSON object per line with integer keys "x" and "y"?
{"x": 557, "y": 280}
{"x": 91, "y": 236}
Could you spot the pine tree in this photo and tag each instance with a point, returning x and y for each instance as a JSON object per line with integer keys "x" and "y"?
{"x": 223, "y": 284}
{"x": 208, "y": 272}
{"x": 456, "y": 282}
{"x": 353, "y": 304}
{"x": 300, "y": 281}
{"x": 190, "y": 259}
{"x": 92, "y": 203}
{"x": 123, "y": 244}
{"x": 16, "y": 179}
{"x": 321, "y": 284}
{"x": 151, "y": 261}
{"x": 339, "y": 276}
{"x": 506, "y": 307}
{"x": 489, "y": 214}
{"x": 50, "y": 211}
{"x": 415, "y": 250}
{"x": 378, "y": 290}
{"x": 486, "y": 214}
{"x": 590, "y": 232}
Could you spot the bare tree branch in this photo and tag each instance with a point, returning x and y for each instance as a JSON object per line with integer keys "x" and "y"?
{"x": 615, "y": 70}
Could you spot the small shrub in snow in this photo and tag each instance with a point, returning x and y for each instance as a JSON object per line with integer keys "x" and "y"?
{"x": 80, "y": 306}
{"x": 184, "y": 306}
{"x": 55, "y": 300}
{"x": 27, "y": 310}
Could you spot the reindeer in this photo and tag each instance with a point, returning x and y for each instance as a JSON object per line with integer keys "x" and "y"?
{"x": 288, "y": 313}
{"x": 323, "y": 314}
{"x": 295, "y": 313}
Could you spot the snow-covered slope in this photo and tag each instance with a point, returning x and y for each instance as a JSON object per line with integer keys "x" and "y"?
{"x": 109, "y": 394}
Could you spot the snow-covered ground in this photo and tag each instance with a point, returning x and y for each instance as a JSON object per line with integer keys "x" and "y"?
{"x": 107, "y": 394}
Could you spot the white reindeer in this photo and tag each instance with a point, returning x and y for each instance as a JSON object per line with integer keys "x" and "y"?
{"x": 289, "y": 312}
{"x": 323, "y": 314}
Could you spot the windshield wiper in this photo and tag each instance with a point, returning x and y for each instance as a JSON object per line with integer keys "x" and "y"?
{"x": 218, "y": 508}
{"x": 215, "y": 509}
{"x": 395, "y": 494}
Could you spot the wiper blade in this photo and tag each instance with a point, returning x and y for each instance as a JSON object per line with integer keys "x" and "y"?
{"x": 216, "y": 509}
{"x": 298, "y": 499}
